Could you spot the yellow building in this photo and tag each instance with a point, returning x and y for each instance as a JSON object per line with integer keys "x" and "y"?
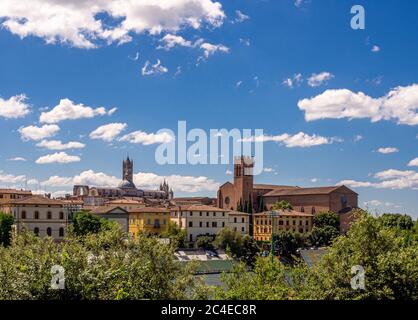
{"x": 153, "y": 220}
{"x": 284, "y": 220}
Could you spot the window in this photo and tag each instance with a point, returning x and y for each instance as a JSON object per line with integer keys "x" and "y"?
{"x": 235, "y": 220}
{"x": 223, "y": 224}
{"x": 36, "y": 231}
{"x": 207, "y": 224}
{"x": 148, "y": 221}
{"x": 191, "y": 214}
{"x": 61, "y": 215}
{"x": 61, "y": 232}
{"x": 191, "y": 238}
{"x": 49, "y": 231}
{"x": 200, "y": 213}
{"x": 243, "y": 229}
{"x": 280, "y": 222}
{"x": 313, "y": 210}
{"x": 23, "y": 214}
{"x": 36, "y": 214}
{"x": 307, "y": 222}
{"x": 200, "y": 224}
{"x": 49, "y": 215}
{"x": 223, "y": 214}
{"x": 207, "y": 214}
{"x": 227, "y": 200}
{"x": 242, "y": 220}
{"x": 214, "y": 224}
{"x": 190, "y": 224}
{"x": 302, "y": 209}
{"x": 214, "y": 214}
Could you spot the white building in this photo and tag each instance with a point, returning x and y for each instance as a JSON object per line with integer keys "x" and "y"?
{"x": 42, "y": 216}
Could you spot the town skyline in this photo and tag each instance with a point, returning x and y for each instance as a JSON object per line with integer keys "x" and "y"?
{"x": 74, "y": 103}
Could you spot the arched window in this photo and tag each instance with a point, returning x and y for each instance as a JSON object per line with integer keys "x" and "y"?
{"x": 313, "y": 210}
{"x": 227, "y": 201}
{"x": 36, "y": 231}
{"x": 36, "y": 214}
{"x": 302, "y": 209}
{"x": 49, "y": 232}
{"x": 23, "y": 214}
{"x": 61, "y": 232}
{"x": 49, "y": 215}
{"x": 61, "y": 215}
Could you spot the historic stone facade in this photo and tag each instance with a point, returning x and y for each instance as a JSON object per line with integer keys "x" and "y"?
{"x": 244, "y": 195}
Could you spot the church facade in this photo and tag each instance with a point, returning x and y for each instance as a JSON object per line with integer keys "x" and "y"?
{"x": 125, "y": 189}
{"x": 244, "y": 195}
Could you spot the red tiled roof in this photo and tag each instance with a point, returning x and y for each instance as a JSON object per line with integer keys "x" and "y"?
{"x": 196, "y": 207}
{"x": 36, "y": 200}
{"x": 15, "y": 191}
{"x": 289, "y": 213}
{"x": 303, "y": 191}
{"x": 273, "y": 187}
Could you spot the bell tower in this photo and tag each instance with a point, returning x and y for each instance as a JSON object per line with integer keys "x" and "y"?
{"x": 244, "y": 179}
{"x": 128, "y": 170}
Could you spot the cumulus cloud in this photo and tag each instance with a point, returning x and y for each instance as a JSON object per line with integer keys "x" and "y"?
{"x": 6, "y": 178}
{"x": 413, "y": 163}
{"x": 399, "y": 105}
{"x": 68, "y": 110}
{"x": 140, "y": 137}
{"x": 388, "y": 150}
{"x": 301, "y": 140}
{"x": 14, "y": 107}
{"x": 108, "y": 132}
{"x": 316, "y": 80}
{"x": 142, "y": 180}
{"x": 388, "y": 179}
{"x": 170, "y": 41}
{"x": 150, "y": 69}
{"x": 58, "y": 145}
{"x": 38, "y": 133}
{"x": 210, "y": 49}
{"x": 58, "y": 157}
{"x": 375, "y": 49}
{"x": 77, "y": 23}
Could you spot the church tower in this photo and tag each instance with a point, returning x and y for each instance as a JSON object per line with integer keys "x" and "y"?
{"x": 128, "y": 170}
{"x": 244, "y": 180}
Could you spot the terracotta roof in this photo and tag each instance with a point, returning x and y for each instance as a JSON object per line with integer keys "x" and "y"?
{"x": 273, "y": 187}
{"x": 238, "y": 213}
{"x": 303, "y": 191}
{"x": 104, "y": 209}
{"x": 80, "y": 202}
{"x": 286, "y": 213}
{"x": 37, "y": 200}
{"x": 196, "y": 207}
{"x": 125, "y": 201}
{"x": 149, "y": 210}
{"x": 15, "y": 191}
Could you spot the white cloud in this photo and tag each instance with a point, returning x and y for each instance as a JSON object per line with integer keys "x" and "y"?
{"x": 68, "y": 110}
{"x": 14, "y": 107}
{"x": 38, "y": 133}
{"x": 245, "y": 42}
{"x": 228, "y": 172}
{"x": 297, "y": 79}
{"x": 140, "y": 137}
{"x": 76, "y": 22}
{"x": 314, "y": 180}
{"x": 170, "y": 41}
{"x": 400, "y": 104}
{"x": 301, "y": 140}
{"x": 316, "y": 80}
{"x": 10, "y": 178}
{"x": 58, "y": 157}
{"x": 388, "y": 150}
{"x": 189, "y": 184}
{"x": 375, "y": 49}
{"x": 240, "y": 17}
{"x": 150, "y": 69}
{"x": 413, "y": 163}
{"x": 58, "y": 145}
{"x": 142, "y": 180}
{"x": 358, "y": 138}
{"x": 268, "y": 170}
{"x": 210, "y": 49}
{"x": 388, "y": 179}
{"x": 108, "y": 132}
{"x": 17, "y": 159}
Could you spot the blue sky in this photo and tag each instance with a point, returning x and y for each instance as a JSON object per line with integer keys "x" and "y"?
{"x": 247, "y": 64}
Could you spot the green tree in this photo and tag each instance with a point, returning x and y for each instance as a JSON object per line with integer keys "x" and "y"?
{"x": 286, "y": 243}
{"x": 204, "y": 242}
{"x": 389, "y": 262}
{"x": 401, "y": 221}
{"x": 6, "y": 223}
{"x": 85, "y": 223}
{"x": 176, "y": 235}
{"x": 324, "y": 219}
{"x": 322, "y": 236}
{"x": 98, "y": 266}
{"x": 282, "y": 205}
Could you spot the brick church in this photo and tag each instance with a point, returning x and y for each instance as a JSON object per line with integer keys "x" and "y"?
{"x": 244, "y": 195}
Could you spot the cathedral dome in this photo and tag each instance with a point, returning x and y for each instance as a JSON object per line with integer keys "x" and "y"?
{"x": 125, "y": 184}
